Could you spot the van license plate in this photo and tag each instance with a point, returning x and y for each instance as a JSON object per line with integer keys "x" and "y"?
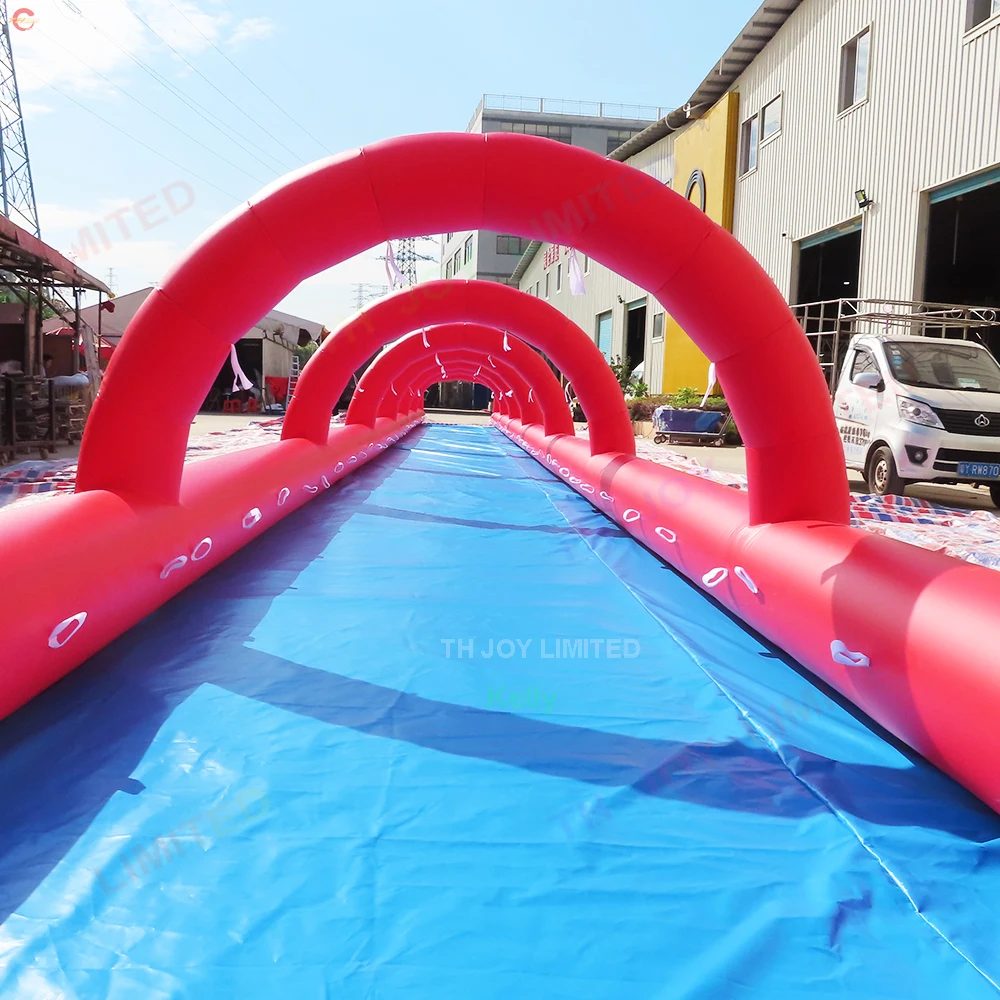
{"x": 979, "y": 470}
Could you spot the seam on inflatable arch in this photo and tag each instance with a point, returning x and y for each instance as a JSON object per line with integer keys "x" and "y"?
{"x": 773, "y": 746}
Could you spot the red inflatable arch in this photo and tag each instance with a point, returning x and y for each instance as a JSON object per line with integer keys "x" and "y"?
{"x": 491, "y": 346}
{"x": 484, "y": 303}
{"x": 420, "y": 375}
{"x": 519, "y": 184}
{"x": 512, "y": 396}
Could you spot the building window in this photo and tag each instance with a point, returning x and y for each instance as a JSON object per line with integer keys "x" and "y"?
{"x": 658, "y": 327}
{"x": 558, "y": 277}
{"x": 602, "y": 330}
{"x": 458, "y": 261}
{"x": 513, "y": 245}
{"x": 447, "y": 269}
{"x": 468, "y": 250}
{"x": 770, "y": 120}
{"x": 546, "y": 284}
{"x": 586, "y": 264}
{"x": 979, "y": 11}
{"x": 448, "y": 237}
{"x": 854, "y": 60}
{"x": 537, "y": 289}
{"x": 748, "y": 145}
{"x": 617, "y": 137}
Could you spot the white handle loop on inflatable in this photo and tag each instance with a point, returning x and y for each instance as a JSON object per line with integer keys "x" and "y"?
{"x": 607, "y": 496}
{"x": 493, "y": 364}
{"x": 201, "y": 550}
{"x": 426, "y": 343}
{"x": 283, "y": 496}
{"x": 531, "y": 395}
{"x": 587, "y": 488}
{"x": 326, "y": 482}
{"x": 747, "y": 579}
{"x": 352, "y": 459}
{"x": 631, "y": 515}
{"x": 311, "y": 489}
{"x": 846, "y": 657}
{"x": 177, "y": 563}
{"x": 338, "y": 468}
{"x": 57, "y": 640}
{"x": 715, "y": 576}
{"x": 506, "y": 345}
{"x": 667, "y": 535}
{"x": 252, "y": 517}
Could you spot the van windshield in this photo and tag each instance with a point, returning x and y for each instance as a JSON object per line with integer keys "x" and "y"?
{"x": 938, "y": 364}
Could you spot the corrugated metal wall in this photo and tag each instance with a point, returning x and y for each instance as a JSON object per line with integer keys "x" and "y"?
{"x": 932, "y": 115}
{"x": 604, "y": 287}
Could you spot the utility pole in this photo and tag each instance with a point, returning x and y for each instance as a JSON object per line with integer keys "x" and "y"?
{"x": 17, "y": 191}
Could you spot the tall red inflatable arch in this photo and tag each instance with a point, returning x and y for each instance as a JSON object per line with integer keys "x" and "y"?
{"x": 492, "y": 346}
{"x": 519, "y": 184}
{"x": 448, "y": 302}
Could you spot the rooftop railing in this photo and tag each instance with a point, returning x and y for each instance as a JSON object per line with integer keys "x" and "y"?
{"x": 560, "y": 106}
{"x": 830, "y": 324}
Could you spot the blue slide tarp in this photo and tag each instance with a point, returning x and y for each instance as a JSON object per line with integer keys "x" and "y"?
{"x": 368, "y": 757}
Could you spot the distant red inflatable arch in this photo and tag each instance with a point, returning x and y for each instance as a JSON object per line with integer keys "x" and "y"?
{"x": 519, "y": 184}
{"x": 491, "y": 346}
{"x": 448, "y": 302}
{"x": 511, "y": 394}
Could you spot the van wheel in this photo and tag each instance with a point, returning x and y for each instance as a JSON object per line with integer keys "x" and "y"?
{"x": 995, "y": 494}
{"x": 882, "y": 477}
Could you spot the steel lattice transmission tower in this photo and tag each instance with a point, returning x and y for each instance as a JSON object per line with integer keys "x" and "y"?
{"x": 407, "y": 256}
{"x": 16, "y": 187}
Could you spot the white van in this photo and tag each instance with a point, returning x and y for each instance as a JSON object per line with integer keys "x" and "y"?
{"x": 919, "y": 409}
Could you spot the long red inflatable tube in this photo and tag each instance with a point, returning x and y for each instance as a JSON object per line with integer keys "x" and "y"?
{"x": 909, "y": 635}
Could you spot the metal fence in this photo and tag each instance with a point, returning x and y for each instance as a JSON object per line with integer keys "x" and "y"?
{"x": 829, "y": 325}
{"x": 560, "y": 106}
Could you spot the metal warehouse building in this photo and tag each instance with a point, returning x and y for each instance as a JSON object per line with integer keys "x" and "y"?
{"x": 853, "y": 146}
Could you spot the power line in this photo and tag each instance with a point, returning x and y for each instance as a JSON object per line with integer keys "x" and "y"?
{"x": 146, "y": 107}
{"x": 249, "y": 79}
{"x": 195, "y": 69}
{"x": 190, "y": 103}
{"x": 128, "y": 135}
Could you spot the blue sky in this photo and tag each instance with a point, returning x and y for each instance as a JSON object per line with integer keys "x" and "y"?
{"x": 185, "y": 134}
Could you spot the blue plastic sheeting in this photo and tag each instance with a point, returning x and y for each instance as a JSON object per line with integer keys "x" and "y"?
{"x": 350, "y": 763}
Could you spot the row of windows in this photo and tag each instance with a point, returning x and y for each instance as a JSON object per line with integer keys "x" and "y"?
{"x": 561, "y": 133}
{"x": 556, "y": 281}
{"x": 454, "y": 264}
{"x": 855, "y": 58}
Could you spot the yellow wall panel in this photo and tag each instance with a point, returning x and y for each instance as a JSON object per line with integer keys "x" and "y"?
{"x": 705, "y": 170}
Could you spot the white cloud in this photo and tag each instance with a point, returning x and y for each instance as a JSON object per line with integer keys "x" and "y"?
{"x": 72, "y": 47}
{"x": 252, "y": 28}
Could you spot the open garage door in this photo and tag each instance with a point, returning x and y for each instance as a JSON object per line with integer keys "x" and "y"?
{"x": 963, "y": 246}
